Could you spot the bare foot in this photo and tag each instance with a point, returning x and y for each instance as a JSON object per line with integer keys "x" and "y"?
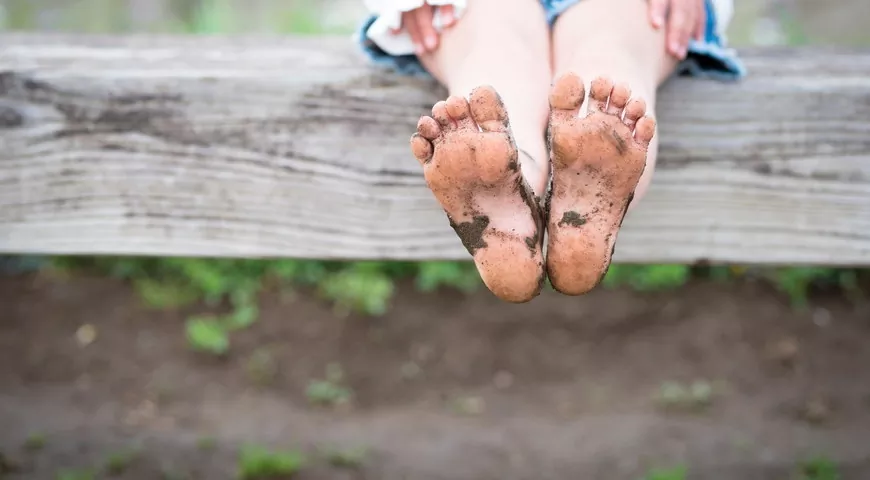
{"x": 597, "y": 162}
{"x": 475, "y": 175}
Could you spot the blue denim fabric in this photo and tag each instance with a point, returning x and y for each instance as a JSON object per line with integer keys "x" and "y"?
{"x": 709, "y": 58}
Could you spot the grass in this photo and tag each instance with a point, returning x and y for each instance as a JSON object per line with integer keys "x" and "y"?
{"x": 75, "y": 474}
{"x": 230, "y": 288}
{"x": 819, "y": 468}
{"x": 256, "y": 462}
{"x": 329, "y": 391}
{"x": 118, "y": 462}
{"x": 679, "y": 472}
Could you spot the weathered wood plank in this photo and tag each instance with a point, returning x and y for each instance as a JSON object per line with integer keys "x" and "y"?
{"x": 295, "y": 147}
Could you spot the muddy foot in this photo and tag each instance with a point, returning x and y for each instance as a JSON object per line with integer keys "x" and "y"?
{"x": 475, "y": 175}
{"x": 597, "y": 162}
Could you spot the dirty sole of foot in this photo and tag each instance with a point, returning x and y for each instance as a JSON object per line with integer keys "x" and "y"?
{"x": 597, "y": 161}
{"x": 471, "y": 164}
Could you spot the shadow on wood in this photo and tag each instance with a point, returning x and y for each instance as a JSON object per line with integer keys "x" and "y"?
{"x": 294, "y": 147}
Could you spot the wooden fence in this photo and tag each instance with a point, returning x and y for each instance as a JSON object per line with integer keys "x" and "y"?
{"x": 294, "y": 147}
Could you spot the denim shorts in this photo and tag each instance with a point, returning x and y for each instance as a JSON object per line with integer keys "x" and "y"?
{"x": 709, "y": 58}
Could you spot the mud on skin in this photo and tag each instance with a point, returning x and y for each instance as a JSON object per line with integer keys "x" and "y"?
{"x": 471, "y": 233}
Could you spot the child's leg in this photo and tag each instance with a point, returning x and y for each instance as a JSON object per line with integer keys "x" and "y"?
{"x": 600, "y": 161}
{"x": 489, "y": 181}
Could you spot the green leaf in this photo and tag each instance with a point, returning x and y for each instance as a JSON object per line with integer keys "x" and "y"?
{"x": 165, "y": 294}
{"x": 242, "y": 317}
{"x": 205, "y": 333}
{"x": 257, "y": 462}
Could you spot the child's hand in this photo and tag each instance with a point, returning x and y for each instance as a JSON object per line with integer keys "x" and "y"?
{"x": 685, "y": 19}
{"x": 418, "y": 23}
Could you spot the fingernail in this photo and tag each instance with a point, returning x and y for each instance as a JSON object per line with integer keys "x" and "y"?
{"x": 431, "y": 42}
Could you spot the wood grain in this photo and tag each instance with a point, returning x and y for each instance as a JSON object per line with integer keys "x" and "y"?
{"x": 295, "y": 147}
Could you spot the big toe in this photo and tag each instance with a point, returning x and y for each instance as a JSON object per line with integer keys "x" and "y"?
{"x": 488, "y": 109}
{"x": 566, "y": 96}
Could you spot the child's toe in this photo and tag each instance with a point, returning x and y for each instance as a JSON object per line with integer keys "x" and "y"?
{"x": 488, "y": 109}
{"x": 618, "y": 99}
{"x": 635, "y": 109}
{"x": 439, "y": 113}
{"x": 428, "y": 128}
{"x": 566, "y": 96}
{"x": 599, "y": 92}
{"x": 457, "y": 108}
{"x": 421, "y": 148}
{"x": 646, "y": 128}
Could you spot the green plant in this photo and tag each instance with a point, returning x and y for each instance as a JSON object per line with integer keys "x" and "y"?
{"x": 797, "y": 281}
{"x": 330, "y": 391}
{"x": 206, "y": 334}
{"x": 673, "y": 473}
{"x": 35, "y": 441}
{"x": 460, "y": 275}
{"x": 70, "y": 474}
{"x": 694, "y": 397}
{"x": 213, "y": 16}
{"x": 118, "y": 462}
{"x": 819, "y": 468}
{"x": 257, "y": 462}
{"x": 362, "y": 287}
{"x": 647, "y": 277}
{"x": 345, "y": 457}
{"x": 206, "y": 443}
{"x": 261, "y": 366}
{"x": 367, "y": 288}
{"x": 163, "y": 295}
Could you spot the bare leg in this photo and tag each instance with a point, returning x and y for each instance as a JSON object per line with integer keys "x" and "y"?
{"x": 487, "y": 172}
{"x": 603, "y": 160}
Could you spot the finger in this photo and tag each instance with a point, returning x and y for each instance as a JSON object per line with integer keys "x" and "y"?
{"x": 427, "y": 30}
{"x": 679, "y": 29}
{"x": 701, "y": 30}
{"x": 657, "y": 10}
{"x": 448, "y": 15}
{"x": 410, "y": 24}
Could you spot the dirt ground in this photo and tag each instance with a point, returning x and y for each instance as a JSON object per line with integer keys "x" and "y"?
{"x": 561, "y": 388}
